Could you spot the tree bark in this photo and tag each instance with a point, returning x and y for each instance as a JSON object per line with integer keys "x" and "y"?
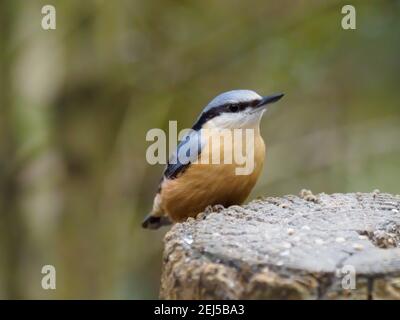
{"x": 339, "y": 246}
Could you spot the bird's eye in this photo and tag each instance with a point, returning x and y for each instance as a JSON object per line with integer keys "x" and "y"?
{"x": 233, "y": 108}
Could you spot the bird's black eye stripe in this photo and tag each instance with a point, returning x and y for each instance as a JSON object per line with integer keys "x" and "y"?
{"x": 233, "y": 107}
{"x": 216, "y": 111}
{"x": 254, "y": 103}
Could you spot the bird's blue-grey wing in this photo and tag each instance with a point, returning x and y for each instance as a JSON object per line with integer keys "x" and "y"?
{"x": 186, "y": 153}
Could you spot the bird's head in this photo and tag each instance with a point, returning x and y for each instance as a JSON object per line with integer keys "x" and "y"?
{"x": 235, "y": 109}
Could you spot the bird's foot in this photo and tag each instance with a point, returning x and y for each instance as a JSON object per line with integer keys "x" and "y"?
{"x": 214, "y": 208}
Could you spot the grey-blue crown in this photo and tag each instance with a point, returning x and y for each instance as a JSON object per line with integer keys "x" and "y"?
{"x": 233, "y": 96}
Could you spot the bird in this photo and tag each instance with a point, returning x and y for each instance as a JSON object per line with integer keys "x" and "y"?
{"x": 189, "y": 186}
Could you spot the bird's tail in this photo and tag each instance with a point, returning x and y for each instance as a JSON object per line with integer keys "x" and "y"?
{"x": 154, "y": 222}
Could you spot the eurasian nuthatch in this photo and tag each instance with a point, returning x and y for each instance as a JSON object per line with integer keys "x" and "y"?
{"x": 188, "y": 187}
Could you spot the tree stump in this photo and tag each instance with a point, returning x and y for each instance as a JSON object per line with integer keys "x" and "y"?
{"x": 339, "y": 246}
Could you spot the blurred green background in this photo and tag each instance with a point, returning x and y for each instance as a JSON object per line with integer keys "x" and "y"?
{"x": 76, "y": 103}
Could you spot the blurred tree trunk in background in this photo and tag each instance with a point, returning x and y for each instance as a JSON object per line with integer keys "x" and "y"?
{"x": 12, "y": 232}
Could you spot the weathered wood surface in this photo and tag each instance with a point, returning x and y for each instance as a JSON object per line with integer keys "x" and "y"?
{"x": 287, "y": 248}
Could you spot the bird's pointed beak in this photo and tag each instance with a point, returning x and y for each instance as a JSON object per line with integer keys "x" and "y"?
{"x": 269, "y": 99}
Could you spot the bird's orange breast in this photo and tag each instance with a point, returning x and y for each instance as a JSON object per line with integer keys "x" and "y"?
{"x": 204, "y": 184}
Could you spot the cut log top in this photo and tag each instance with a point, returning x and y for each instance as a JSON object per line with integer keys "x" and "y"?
{"x": 306, "y": 247}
